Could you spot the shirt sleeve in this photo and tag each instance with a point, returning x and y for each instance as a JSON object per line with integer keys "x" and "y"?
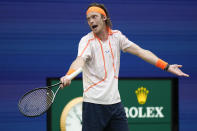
{"x": 124, "y": 42}
{"x": 84, "y": 49}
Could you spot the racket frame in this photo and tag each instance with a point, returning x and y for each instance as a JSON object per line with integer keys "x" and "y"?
{"x": 48, "y": 88}
{"x": 70, "y": 77}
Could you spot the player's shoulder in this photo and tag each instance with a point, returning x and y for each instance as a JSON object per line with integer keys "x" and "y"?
{"x": 116, "y": 33}
{"x": 87, "y": 37}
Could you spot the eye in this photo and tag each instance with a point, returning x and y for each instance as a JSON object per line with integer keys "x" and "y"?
{"x": 94, "y": 16}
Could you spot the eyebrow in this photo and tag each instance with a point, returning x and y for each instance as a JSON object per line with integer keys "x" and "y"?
{"x": 92, "y": 16}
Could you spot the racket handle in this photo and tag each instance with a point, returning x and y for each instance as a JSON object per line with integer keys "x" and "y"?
{"x": 74, "y": 74}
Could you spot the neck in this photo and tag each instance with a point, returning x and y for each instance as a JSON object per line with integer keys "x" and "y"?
{"x": 103, "y": 34}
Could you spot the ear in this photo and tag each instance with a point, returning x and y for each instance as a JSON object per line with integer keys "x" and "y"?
{"x": 104, "y": 18}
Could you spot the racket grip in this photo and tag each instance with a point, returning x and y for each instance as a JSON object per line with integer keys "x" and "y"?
{"x": 74, "y": 74}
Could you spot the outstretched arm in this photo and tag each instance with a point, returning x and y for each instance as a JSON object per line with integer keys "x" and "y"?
{"x": 151, "y": 58}
{"x": 77, "y": 63}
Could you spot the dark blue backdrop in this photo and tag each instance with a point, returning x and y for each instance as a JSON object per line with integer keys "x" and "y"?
{"x": 39, "y": 39}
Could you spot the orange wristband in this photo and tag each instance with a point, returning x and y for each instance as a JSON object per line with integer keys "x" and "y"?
{"x": 161, "y": 64}
{"x": 70, "y": 71}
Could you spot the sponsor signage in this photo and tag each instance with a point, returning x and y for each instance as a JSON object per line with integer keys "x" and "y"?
{"x": 149, "y": 103}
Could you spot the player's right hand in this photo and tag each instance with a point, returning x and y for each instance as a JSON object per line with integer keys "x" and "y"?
{"x": 65, "y": 82}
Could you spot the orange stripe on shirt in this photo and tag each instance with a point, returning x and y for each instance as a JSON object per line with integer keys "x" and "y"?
{"x": 86, "y": 46}
{"x": 94, "y": 85}
{"x": 104, "y": 69}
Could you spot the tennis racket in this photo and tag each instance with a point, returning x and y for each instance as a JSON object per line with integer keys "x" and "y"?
{"x": 36, "y": 102}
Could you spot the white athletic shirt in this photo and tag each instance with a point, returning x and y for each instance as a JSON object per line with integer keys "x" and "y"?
{"x": 101, "y": 69}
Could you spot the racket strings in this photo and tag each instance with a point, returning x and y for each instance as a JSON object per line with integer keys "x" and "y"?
{"x": 36, "y": 102}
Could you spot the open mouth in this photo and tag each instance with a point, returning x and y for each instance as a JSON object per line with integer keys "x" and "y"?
{"x": 94, "y": 26}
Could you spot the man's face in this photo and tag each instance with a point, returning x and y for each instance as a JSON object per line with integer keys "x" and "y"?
{"x": 96, "y": 22}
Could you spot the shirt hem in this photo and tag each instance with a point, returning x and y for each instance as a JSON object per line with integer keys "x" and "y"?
{"x": 101, "y": 102}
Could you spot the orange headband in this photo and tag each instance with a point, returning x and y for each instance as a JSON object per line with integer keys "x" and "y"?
{"x": 96, "y": 9}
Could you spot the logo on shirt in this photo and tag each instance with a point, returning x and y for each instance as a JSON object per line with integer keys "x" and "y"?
{"x": 107, "y": 51}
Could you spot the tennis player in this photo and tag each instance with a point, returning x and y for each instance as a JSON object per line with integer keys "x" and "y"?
{"x": 99, "y": 56}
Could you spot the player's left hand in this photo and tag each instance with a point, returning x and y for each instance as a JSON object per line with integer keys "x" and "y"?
{"x": 175, "y": 69}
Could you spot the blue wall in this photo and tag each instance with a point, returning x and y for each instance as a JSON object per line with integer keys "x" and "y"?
{"x": 39, "y": 39}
